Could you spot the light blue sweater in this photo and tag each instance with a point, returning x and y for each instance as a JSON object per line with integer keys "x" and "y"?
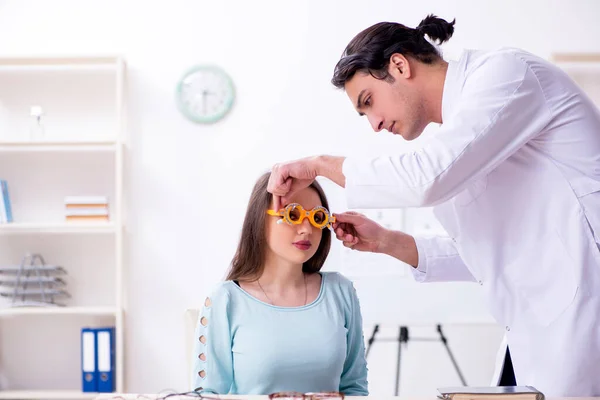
{"x": 252, "y": 347}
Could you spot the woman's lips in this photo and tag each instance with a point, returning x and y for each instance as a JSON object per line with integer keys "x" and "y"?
{"x": 302, "y": 245}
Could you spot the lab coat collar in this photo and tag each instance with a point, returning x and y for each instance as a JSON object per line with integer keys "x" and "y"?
{"x": 451, "y": 87}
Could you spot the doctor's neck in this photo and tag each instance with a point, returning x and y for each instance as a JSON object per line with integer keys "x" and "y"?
{"x": 431, "y": 80}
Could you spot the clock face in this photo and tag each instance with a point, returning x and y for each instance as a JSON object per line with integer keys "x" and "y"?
{"x": 205, "y": 94}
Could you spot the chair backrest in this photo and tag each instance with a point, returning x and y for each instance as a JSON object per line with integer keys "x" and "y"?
{"x": 190, "y": 320}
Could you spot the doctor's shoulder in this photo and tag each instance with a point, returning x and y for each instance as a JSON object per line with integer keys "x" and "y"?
{"x": 504, "y": 61}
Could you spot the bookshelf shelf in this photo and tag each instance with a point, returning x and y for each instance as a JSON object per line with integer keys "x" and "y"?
{"x": 583, "y": 68}
{"x": 46, "y": 395}
{"x": 59, "y": 63}
{"x": 73, "y": 311}
{"x": 58, "y": 228}
{"x": 576, "y": 57}
{"x": 59, "y": 146}
{"x": 577, "y": 62}
{"x": 579, "y": 66}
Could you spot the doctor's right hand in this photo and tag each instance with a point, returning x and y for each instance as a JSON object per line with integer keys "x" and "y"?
{"x": 358, "y": 232}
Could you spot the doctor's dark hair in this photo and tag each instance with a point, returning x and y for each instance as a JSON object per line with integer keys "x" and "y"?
{"x": 371, "y": 49}
{"x": 249, "y": 259}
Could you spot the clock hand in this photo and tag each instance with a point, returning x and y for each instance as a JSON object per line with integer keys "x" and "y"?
{"x": 204, "y": 94}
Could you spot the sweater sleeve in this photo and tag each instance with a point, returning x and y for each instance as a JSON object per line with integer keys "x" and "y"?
{"x": 354, "y": 376}
{"x": 213, "y": 362}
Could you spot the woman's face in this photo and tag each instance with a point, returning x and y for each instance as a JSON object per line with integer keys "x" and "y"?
{"x": 295, "y": 243}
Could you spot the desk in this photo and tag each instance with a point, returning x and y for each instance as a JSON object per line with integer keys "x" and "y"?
{"x": 131, "y": 396}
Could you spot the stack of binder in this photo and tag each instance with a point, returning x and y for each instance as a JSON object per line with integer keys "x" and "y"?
{"x": 33, "y": 283}
{"x": 86, "y": 208}
{"x": 98, "y": 359}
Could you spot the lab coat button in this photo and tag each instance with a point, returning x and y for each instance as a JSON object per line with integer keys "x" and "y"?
{"x": 481, "y": 283}
{"x": 508, "y": 328}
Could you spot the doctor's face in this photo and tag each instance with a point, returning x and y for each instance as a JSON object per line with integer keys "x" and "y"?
{"x": 395, "y": 106}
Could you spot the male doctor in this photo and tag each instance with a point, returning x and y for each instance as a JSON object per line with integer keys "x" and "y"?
{"x": 513, "y": 173}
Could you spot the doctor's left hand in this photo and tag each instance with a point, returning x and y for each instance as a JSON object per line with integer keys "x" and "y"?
{"x": 291, "y": 177}
{"x": 358, "y": 232}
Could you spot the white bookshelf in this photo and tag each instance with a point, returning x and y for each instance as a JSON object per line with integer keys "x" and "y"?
{"x": 81, "y": 154}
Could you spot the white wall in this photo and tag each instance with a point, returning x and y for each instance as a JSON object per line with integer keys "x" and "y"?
{"x": 188, "y": 184}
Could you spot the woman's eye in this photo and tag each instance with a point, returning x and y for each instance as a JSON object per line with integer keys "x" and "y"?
{"x": 368, "y": 101}
{"x": 295, "y": 215}
{"x": 319, "y": 217}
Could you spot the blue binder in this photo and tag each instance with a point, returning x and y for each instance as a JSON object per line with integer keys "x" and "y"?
{"x": 6, "y": 197}
{"x": 105, "y": 371}
{"x": 88, "y": 360}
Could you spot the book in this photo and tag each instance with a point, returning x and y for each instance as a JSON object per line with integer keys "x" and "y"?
{"x": 81, "y": 212}
{"x": 85, "y": 200}
{"x": 87, "y": 218}
{"x": 72, "y": 206}
{"x": 490, "y": 393}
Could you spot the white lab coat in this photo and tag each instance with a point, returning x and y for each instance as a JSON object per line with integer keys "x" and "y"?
{"x": 514, "y": 175}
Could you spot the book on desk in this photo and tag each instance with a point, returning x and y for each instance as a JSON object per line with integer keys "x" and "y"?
{"x": 491, "y": 393}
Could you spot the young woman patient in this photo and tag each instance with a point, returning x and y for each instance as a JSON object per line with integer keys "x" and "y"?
{"x": 277, "y": 323}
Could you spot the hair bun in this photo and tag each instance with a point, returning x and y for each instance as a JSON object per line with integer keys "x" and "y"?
{"x": 436, "y": 28}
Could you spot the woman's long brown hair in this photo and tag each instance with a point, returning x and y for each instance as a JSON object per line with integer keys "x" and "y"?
{"x": 249, "y": 259}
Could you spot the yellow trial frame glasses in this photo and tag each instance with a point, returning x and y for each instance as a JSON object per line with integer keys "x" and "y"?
{"x": 294, "y": 214}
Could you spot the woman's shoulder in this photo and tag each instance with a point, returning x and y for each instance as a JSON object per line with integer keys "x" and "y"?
{"x": 338, "y": 282}
{"x": 222, "y": 292}
{"x": 341, "y": 290}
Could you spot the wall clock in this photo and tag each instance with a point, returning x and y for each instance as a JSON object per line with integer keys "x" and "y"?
{"x": 205, "y": 94}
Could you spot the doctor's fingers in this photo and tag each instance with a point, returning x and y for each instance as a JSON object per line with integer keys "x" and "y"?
{"x": 277, "y": 202}
{"x": 349, "y": 217}
{"x": 347, "y": 238}
{"x": 279, "y": 197}
{"x": 279, "y": 180}
{"x": 350, "y": 243}
{"x": 344, "y": 230}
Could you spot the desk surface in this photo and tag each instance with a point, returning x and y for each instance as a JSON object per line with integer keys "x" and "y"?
{"x": 132, "y": 396}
